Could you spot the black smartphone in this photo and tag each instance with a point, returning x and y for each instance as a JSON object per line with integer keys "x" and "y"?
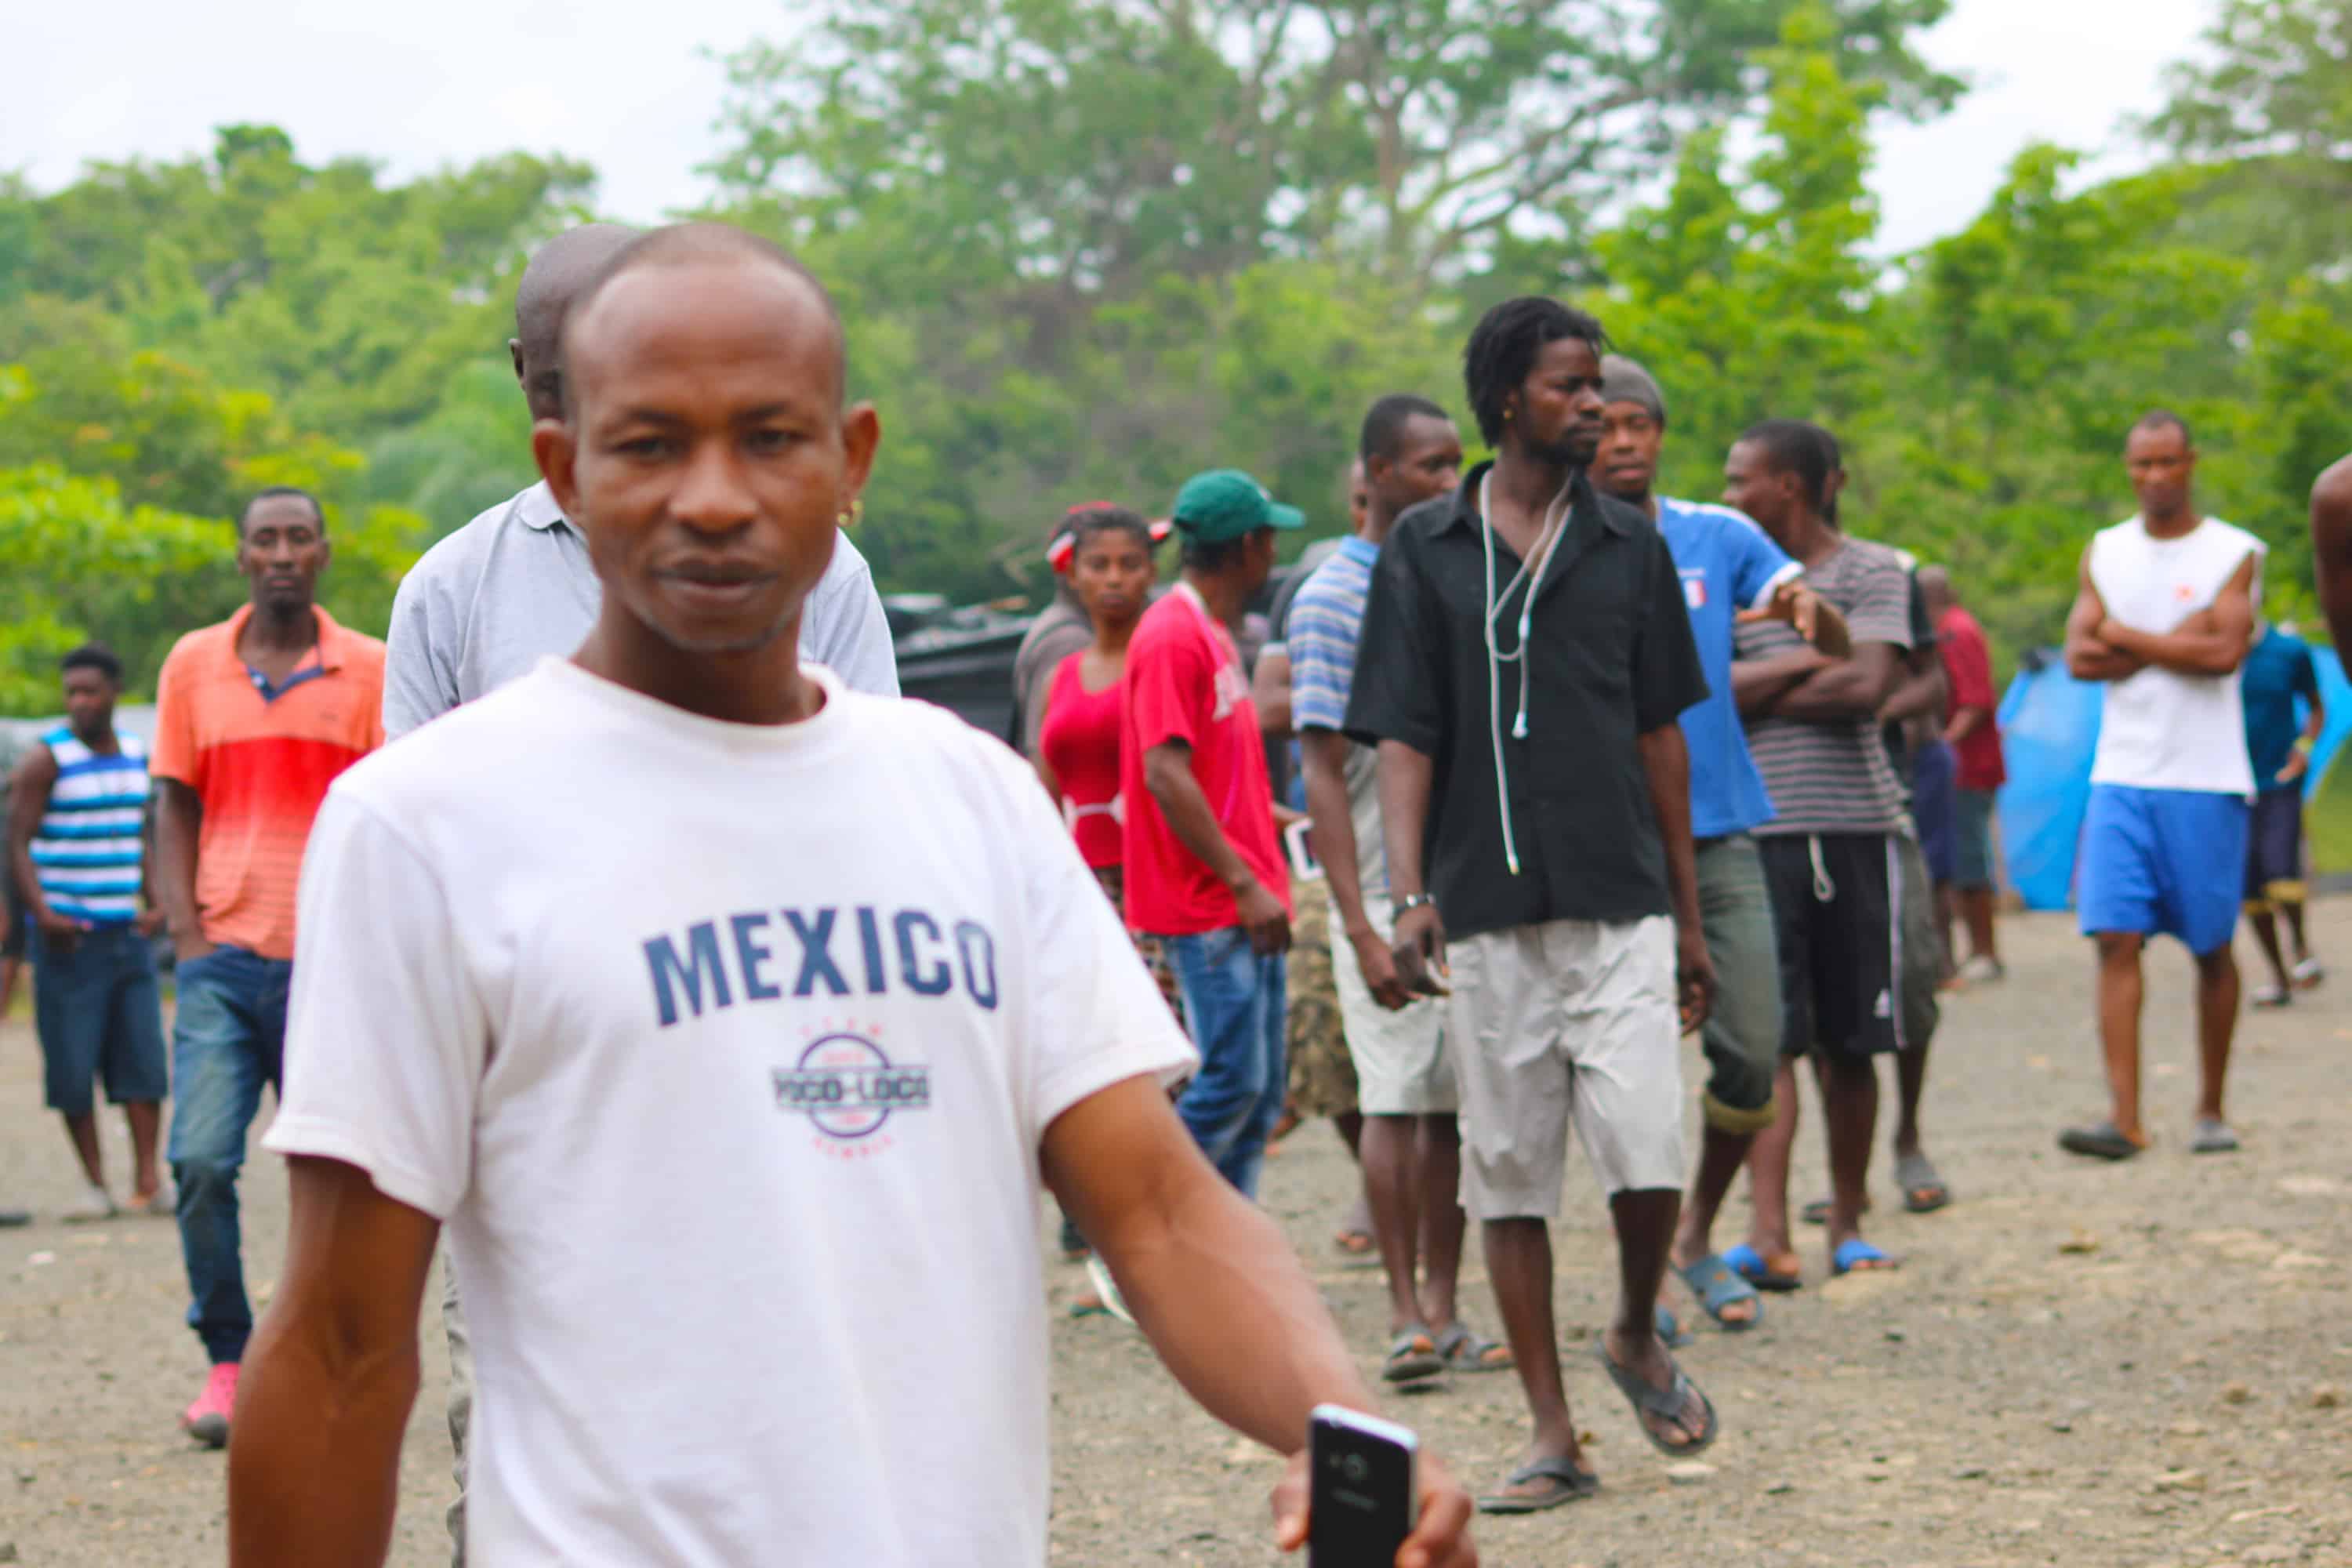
{"x": 1362, "y": 1491}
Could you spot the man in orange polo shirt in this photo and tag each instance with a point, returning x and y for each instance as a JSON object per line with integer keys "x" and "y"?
{"x": 254, "y": 717}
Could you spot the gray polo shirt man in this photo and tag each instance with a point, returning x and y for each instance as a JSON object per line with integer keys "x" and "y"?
{"x": 515, "y": 586}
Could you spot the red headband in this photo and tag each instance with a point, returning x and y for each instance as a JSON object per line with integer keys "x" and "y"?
{"x": 1061, "y": 552}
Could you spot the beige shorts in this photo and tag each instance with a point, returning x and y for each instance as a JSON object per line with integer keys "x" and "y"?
{"x": 1401, "y": 1066}
{"x": 1571, "y": 1020}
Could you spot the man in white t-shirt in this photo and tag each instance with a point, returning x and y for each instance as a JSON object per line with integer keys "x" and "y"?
{"x": 729, "y": 1019}
{"x": 2164, "y": 614}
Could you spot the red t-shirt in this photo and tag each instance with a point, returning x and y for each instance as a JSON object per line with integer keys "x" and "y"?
{"x": 1079, "y": 739}
{"x": 1968, "y": 671}
{"x": 1184, "y": 682}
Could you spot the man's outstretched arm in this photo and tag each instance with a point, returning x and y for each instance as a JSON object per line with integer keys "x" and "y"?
{"x": 1216, "y": 1288}
{"x": 314, "y": 1460}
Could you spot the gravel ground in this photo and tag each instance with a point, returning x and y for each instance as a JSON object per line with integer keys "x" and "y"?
{"x": 2131, "y": 1367}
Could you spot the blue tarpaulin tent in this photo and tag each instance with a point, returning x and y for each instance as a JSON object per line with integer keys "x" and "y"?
{"x": 2050, "y": 727}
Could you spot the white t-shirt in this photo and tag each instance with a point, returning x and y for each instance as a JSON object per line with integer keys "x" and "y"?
{"x": 2161, "y": 729}
{"x": 724, "y": 1052}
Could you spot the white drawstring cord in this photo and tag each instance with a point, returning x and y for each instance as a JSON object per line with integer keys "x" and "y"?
{"x": 1824, "y": 890}
{"x": 1541, "y": 559}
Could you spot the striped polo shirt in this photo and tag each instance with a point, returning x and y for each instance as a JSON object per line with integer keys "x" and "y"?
{"x": 1832, "y": 775}
{"x": 260, "y": 759}
{"x": 90, "y": 844}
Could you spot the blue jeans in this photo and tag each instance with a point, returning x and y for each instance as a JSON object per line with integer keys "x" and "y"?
{"x": 1233, "y": 1007}
{"x": 100, "y": 1016}
{"x": 227, "y": 1040}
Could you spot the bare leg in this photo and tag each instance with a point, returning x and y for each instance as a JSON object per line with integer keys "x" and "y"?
{"x": 1392, "y": 1184}
{"x": 145, "y": 1118}
{"x": 2293, "y": 911}
{"x": 10, "y": 968}
{"x": 1911, "y": 1084}
{"x": 2217, "y": 1021}
{"x": 2265, "y": 926}
{"x": 1947, "y": 963}
{"x": 1519, "y": 1262}
{"x": 82, "y": 1132}
{"x": 1768, "y": 1175}
{"x": 1720, "y": 1155}
{"x": 1976, "y": 909}
{"x": 1645, "y": 1224}
{"x": 1349, "y": 1125}
{"x": 2119, "y": 1005}
{"x": 1850, "y": 1111}
{"x": 1442, "y": 1220}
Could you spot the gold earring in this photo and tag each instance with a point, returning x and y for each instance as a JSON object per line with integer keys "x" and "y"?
{"x": 853, "y": 516}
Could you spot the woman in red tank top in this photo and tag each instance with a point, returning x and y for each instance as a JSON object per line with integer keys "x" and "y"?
{"x": 1111, "y": 572}
{"x": 1106, "y": 552}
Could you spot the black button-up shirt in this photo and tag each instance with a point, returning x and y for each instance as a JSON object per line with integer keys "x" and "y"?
{"x": 1609, "y": 658}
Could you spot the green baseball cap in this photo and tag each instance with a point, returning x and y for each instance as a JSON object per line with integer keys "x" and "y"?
{"x": 1226, "y": 503}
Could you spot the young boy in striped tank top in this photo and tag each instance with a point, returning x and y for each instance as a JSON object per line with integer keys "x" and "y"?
{"x": 76, "y": 839}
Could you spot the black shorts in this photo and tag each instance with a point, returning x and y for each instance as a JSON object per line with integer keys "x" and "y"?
{"x": 1838, "y": 907}
{"x": 2274, "y": 850}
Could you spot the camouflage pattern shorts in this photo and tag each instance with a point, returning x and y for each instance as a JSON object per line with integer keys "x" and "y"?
{"x": 1322, "y": 1073}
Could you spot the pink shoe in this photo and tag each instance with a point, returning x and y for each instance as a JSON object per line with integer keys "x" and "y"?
{"x": 207, "y": 1419}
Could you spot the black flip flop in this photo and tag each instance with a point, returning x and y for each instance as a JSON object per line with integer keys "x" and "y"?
{"x": 2103, "y": 1142}
{"x": 1412, "y": 1358}
{"x": 1465, "y": 1350}
{"x": 1575, "y": 1486}
{"x": 1665, "y": 1403}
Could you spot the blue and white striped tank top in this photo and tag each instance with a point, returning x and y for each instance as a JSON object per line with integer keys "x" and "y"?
{"x": 88, "y": 850}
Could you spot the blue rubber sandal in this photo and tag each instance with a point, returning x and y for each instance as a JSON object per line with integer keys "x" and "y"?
{"x": 1749, "y": 1264}
{"x": 1669, "y": 1328}
{"x": 1717, "y": 1285}
{"x": 1854, "y": 1252}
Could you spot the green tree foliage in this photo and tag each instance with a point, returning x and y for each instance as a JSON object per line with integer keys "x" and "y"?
{"x": 1092, "y": 145}
{"x": 350, "y": 302}
{"x": 1086, "y": 247}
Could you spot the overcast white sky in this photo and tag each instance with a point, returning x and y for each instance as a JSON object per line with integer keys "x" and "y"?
{"x": 456, "y": 80}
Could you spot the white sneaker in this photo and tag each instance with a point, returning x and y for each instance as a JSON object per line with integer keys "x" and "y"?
{"x": 2309, "y": 972}
{"x": 1982, "y": 968}
{"x": 90, "y": 1207}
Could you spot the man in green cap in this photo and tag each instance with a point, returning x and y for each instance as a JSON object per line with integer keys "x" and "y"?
{"x": 1204, "y": 866}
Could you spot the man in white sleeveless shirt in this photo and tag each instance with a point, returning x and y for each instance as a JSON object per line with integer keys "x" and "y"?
{"x": 2165, "y": 616}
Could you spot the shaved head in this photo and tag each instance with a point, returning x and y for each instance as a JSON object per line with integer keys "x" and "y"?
{"x": 688, "y": 245}
{"x": 559, "y": 272}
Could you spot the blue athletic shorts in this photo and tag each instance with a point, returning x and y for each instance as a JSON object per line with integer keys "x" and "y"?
{"x": 2168, "y": 861}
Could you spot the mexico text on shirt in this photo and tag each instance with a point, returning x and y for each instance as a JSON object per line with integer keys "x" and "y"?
{"x": 761, "y": 1082}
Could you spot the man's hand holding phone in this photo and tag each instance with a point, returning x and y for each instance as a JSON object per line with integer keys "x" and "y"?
{"x": 1361, "y": 1485}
